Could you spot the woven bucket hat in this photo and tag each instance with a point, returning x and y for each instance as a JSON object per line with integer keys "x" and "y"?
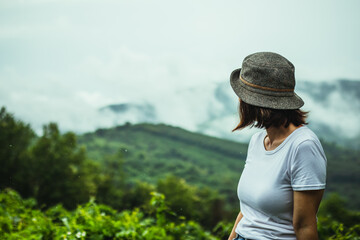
{"x": 266, "y": 79}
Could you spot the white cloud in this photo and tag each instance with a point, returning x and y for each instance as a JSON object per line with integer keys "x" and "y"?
{"x": 61, "y": 60}
{"x": 339, "y": 113}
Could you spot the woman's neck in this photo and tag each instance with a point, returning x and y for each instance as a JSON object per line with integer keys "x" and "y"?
{"x": 276, "y": 135}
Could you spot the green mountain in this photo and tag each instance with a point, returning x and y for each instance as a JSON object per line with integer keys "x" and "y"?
{"x": 151, "y": 152}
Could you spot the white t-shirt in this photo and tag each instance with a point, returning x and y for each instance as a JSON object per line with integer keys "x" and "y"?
{"x": 269, "y": 178}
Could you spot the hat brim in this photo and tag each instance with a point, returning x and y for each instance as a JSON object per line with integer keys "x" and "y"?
{"x": 263, "y": 100}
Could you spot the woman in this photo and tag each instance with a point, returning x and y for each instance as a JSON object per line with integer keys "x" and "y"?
{"x": 283, "y": 180}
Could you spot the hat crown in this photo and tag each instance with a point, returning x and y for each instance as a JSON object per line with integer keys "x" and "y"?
{"x": 267, "y": 80}
{"x": 268, "y": 70}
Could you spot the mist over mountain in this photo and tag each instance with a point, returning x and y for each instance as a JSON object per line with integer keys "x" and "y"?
{"x": 131, "y": 112}
{"x": 212, "y": 109}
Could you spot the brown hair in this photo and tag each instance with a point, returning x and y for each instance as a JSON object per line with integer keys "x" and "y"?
{"x": 260, "y": 117}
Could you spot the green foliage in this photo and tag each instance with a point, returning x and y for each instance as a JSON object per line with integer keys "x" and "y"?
{"x": 129, "y": 160}
{"x": 137, "y": 195}
{"x": 19, "y": 219}
{"x": 342, "y": 233}
{"x": 15, "y": 138}
{"x": 223, "y": 229}
{"x": 151, "y": 152}
{"x": 51, "y": 168}
{"x": 333, "y": 207}
{"x": 59, "y": 169}
{"x": 92, "y": 221}
{"x": 204, "y": 161}
{"x": 181, "y": 197}
{"x": 110, "y": 181}
{"x": 337, "y": 222}
{"x": 203, "y": 205}
{"x": 343, "y": 173}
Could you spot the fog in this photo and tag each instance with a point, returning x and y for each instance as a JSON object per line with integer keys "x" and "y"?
{"x": 63, "y": 60}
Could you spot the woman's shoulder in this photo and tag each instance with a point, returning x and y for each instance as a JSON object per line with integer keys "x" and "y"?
{"x": 304, "y": 133}
{"x": 305, "y": 137}
{"x": 257, "y": 139}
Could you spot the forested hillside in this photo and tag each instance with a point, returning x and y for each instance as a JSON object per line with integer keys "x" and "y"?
{"x": 138, "y": 182}
{"x": 151, "y": 152}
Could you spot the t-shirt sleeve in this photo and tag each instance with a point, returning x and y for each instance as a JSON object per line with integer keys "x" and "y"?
{"x": 308, "y": 169}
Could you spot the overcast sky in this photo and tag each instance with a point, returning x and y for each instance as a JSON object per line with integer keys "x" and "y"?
{"x": 71, "y": 55}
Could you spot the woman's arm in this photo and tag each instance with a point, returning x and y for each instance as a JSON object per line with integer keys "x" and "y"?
{"x": 233, "y": 234}
{"x": 306, "y": 204}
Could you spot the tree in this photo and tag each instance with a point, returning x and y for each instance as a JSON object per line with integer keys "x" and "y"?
{"x": 110, "y": 181}
{"x": 15, "y": 138}
{"x": 202, "y": 205}
{"x": 337, "y": 222}
{"x": 60, "y": 172}
{"x": 137, "y": 195}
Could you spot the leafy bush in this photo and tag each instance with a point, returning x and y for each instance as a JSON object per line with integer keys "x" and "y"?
{"x": 20, "y": 220}
{"x": 336, "y": 222}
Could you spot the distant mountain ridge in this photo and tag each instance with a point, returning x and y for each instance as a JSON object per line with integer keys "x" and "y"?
{"x": 212, "y": 109}
{"x": 348, "y": 89}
